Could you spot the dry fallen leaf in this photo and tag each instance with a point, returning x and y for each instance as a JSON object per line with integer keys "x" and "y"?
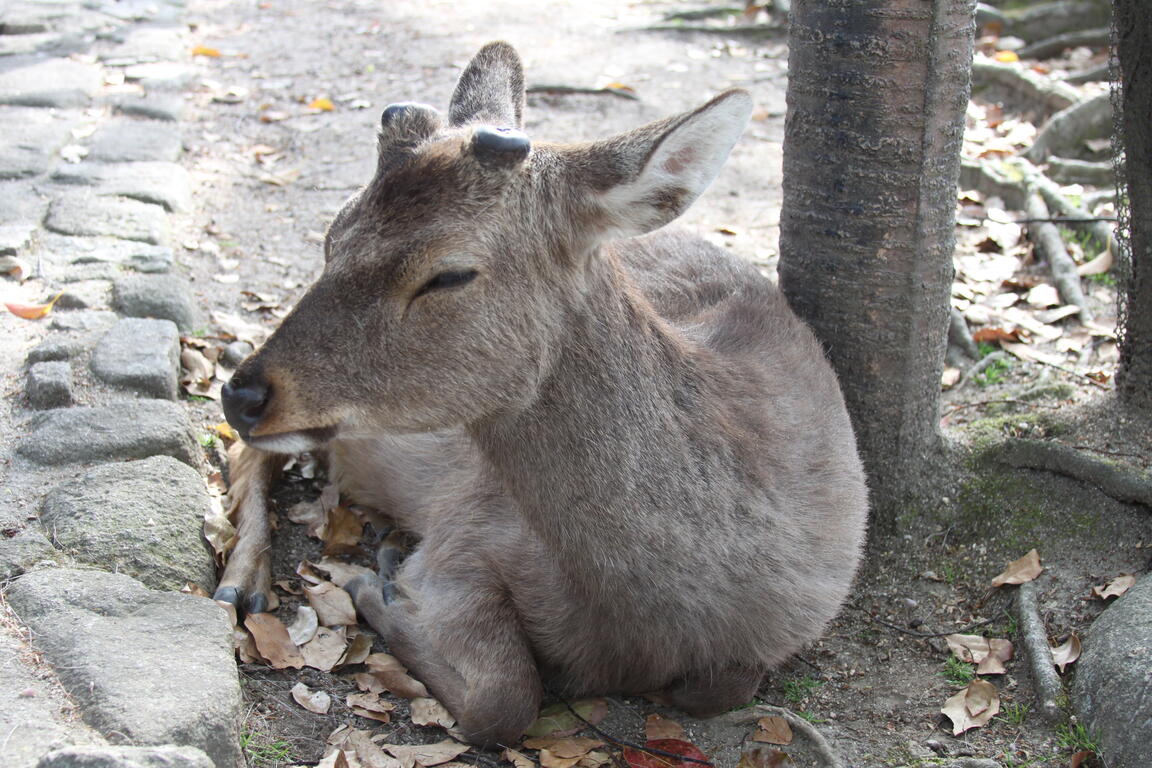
{"x": 989, "y": 654}
{"x": 394, "y": 677}
{"x": 660, "y": 727}
{"x": 325, "y": 650}
{"x": 342, "y": 534}
{"x": 219, "y": 531}
{"x": 426, "y": 754}
{"x": 333, "y": 605}
{"x": 761, "y": 757}
{"x": 1066, "y": 653}
{"x": 369, "y": 754}
{"x": 340, "y": 572}
{"x": 313, "y": 701}
{"x": 427, "y": 711}
{"x": 203, "y": 50}
{"x": 972, "y": 707}
{"x": 518, "y": 759}
{"x": 304, "y": 627}
{"x": 371, "y": 706}
{"x": 33, "y": 311}
{"x": 322, "y": 104}
{"x": 1019, "y": 571}
{"x": 357, "y": 650}
{"x": 557, "y": 720}
{"x": 1116, "y": 587}
{"x": 636, "y": 758}
{"x": 272, "y": 640}
{"x": 773, "y": 730}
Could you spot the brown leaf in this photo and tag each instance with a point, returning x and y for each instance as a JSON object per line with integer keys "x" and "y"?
{"x": 518, "y": 759}
{"x": 1043, "y": 296}
{"x": 773, "y": 730}
{"x": 972, "y": 707}
{"x": 371, "y": 706}
{"x": 1115, "y": 588}
{"x": 342, "y": 535}
{"x": 339, "y": 572}
{"x": 558, "y": 721}
{"x": 659, "y": 727}
{"x": 1019, "y": 571}
{"x": 988, "y": 653}
{"x": 33, "y": 311}
{"x": 761, "y": 757}
{"x": 310, "y": 514}
{"x": 995, "y": 335}
{"x": 333, "y": 605}
{"x": 1066, "y": 653}
{"x": 394, "y": 677}
{"x": 313, "y": 701}
{"x": 426, "y": 754}
{"x": 1078, "y": 759}
{"x": 594, "y": 759}
{"x": 428, "y": 711}
{"x": 325, "y": 650}
{"x": 272, "y": 640}
{"x": 564, "y": 748}
{"x": 357, "y": 650}
{"x": 370, "y": 755}
{"x": 304, "y": 627}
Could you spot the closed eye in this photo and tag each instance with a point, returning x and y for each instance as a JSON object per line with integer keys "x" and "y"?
{"x": 446, "y": 280}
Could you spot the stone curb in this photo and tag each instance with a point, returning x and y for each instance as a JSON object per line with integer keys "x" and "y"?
{"x": 100, "y": 428}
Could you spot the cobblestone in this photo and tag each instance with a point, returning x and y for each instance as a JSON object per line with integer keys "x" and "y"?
{"x": 49, "y": 385}
{"x": 164, "y": 184}
{"x": 141, "y": 355}
{"x": 85, "y": 213}
{"x": 58, "y": 83}
{"x": 29, "y": 141}
{"x": 164, "y": 296}
{"x": 124, "y": 140}
{"x": 134, "y": 429}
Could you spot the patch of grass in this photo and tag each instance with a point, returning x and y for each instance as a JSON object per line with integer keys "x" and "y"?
{"x": 208, "y": 440}
{"x": 261, "y": 749}
{"x": 798, "y": 690}
{"x": 1076, "y": 737}
{"x": 1104, "y": 278}
{"x": 198, "y": 398}
{"x": 995, "y": 373}
{"x": 958, "y": 672}
{"x": 1014, "y": 713}
{"x": 811, "y": 717}
{"x": 985, "y": 348}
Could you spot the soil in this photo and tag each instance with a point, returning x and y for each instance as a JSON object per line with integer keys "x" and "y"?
{"x": 271, "y": 172}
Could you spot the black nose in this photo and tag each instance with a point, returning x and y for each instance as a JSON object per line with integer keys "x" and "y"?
{"x": 244, "y": 403}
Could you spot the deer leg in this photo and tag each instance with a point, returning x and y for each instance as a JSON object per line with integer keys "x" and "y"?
{"x": 463, "y": 641}
{"x": 247, "y": 578}
{"x": 712, "y": 692}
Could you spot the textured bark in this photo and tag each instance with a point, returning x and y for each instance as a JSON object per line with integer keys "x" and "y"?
{"x": 1134, "y": 52}
{"x": 876, "y": 97}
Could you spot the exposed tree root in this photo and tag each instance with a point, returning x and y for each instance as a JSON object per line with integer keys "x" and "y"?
{"x": 1050, "y": 244}
{"x": 819, "y": 744}
{"x": 1041, "y": 94}
{"x": 1066, "y": 171}
{"x": 567, "y": 90}
{"x": 1121, "y": 482}
{"x": 1087, "y": 119}
{"x": 758, "y": 31}
{"x": 1034, "y": 638}
{"x": 1054, "y": 46}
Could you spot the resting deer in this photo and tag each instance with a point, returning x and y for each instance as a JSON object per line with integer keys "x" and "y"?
{"x": 628, "y": 464}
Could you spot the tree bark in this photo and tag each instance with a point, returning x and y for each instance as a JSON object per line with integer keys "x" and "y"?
{"x": 876, "y": 97}
{"x": 1134, "y": 54}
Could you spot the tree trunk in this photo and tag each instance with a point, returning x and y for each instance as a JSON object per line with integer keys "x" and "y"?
{"x": 1134, "y": 54}
{"x": 877, "y": 92}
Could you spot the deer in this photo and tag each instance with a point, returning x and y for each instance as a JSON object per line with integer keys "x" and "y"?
{"x": 627, "y": 464}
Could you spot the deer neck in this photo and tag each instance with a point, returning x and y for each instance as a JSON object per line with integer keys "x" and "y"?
{"x": 592, "y": 460}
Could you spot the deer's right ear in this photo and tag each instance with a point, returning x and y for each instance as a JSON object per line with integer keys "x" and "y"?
{"x": 491, "y": 90}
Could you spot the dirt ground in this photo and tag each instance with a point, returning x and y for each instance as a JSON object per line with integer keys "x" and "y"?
{"x": 270, "y": 173}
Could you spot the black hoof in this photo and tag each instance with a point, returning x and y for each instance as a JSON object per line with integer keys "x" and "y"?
{"x": 366, "y": 584}
{"x": 244, "y": 604}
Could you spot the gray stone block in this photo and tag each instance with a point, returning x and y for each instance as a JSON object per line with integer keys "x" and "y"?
{"x": 49, "y": 385}
{"x": 141, "y": 44}
{"x": 59, "y": 83}
{"x": 55, "y": 349}
{"x": 1113, "y": 690}
{"x": 161, "y": 75}
{"x": 15, "y": 238}
{"x": 29, "y": 142}
{"x": 133, "y": 429}
{"x": 22, "y": 551}
{"x": 164, "y": 184}
{"x": 163, "y": 296}
{"x": 82, "y": 320}
{"x": 126, "y": 757}
{"x": 165, "y": 106}
{"x": 142, "y": 518}
{"x": 105, "y": 251}
{"x": 141, "y": 355}
{"x": 86, "y": 294}
{"x": 82, "y": 212}
{"x": 153, "y": 667}
{"x": 126, "y": 140}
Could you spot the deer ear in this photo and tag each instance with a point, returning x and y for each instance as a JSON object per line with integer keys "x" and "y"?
{"x": 491, "y": 90}
{"x": 675, "y": 161}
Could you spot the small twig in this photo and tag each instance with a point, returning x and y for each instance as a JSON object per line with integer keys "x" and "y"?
{"x": 1028, "y": 403}
{"x": 914, "y": 633}
{"x": 1064, "y": 219}
{"x": 1035, "y": 641}
{"x": 621, "y": 742}
{"x": 575, "y": 89}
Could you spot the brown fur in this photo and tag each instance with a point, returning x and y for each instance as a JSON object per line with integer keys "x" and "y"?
{"x": 628, "y": 463}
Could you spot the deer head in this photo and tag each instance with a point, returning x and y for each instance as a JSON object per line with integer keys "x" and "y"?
{"x": 448, "y": 278}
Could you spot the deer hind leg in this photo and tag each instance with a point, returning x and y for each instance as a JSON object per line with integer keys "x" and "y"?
{"x": 247, "y": 578}
{"x": 708, "y": 693}
{"x": 462, "y": 639}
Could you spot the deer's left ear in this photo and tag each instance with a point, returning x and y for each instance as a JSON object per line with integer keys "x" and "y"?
{"x": 667, "y": 165}
{"x": 491, "y": 89}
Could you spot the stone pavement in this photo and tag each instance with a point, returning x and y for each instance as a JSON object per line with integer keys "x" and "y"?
{"x": 105, "y": 662}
